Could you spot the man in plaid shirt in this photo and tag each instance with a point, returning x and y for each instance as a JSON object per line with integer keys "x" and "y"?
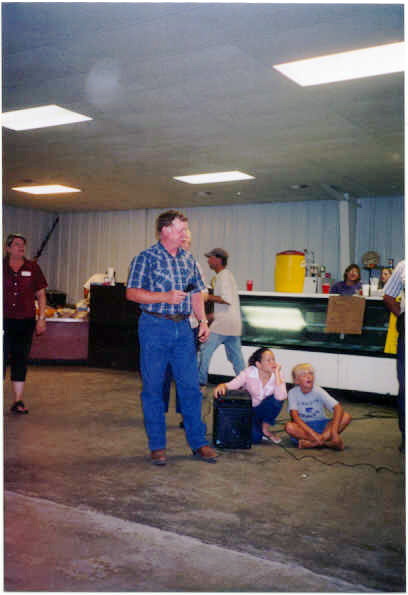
{"x": 165, "y": 281}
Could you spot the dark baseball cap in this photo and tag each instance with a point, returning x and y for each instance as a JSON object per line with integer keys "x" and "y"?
{"x": 218, "y": 252}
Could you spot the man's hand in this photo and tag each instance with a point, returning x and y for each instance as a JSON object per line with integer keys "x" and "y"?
{"x": 175, "y": 296}
{"x": 203, "y": 332}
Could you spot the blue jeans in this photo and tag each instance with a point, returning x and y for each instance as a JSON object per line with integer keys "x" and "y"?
{"x": 168, "y": 379}
{"x": 232, "y": 348}
{"x": 267, "y": 411}
{"x": 164, "y": 342}
{"x": 166, "y": 391}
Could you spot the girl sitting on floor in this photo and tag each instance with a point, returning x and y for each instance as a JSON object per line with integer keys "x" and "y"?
{"x": 264, "y": 381}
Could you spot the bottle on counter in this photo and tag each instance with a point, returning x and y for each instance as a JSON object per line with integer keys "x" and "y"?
{"x": 307, "y": 262}
{"x": 320, "y": 279}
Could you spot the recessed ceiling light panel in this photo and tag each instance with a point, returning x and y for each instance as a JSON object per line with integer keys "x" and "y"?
{"x": 373, "y": 61}
{"x": 40, "y": 117}
{"x": 224, "y": 176}
{"x": 47, "y": 189}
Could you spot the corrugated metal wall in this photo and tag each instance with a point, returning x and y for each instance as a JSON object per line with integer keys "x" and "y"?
{"x": 91, "y": 242}
{"x": 380, "y": 227}
{"x": 253, "y": 234}
{"x": 87, "y": 243}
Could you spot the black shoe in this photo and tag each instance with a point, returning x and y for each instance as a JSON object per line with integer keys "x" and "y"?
{"x": 206, "y": 454}
{"x": 158, "y": 457}
{"x": 19, "y": 408}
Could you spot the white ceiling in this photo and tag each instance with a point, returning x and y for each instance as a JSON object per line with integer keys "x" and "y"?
{"x": 177, "y": 89}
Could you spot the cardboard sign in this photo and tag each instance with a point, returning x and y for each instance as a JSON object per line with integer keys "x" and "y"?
{"x": 345, "y": 314}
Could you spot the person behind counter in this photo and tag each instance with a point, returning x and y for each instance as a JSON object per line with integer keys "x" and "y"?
{"x": 351, "y": 282}
{"x": 384, "y": 276}
{"x": 264, "y": 381}
{"x": 23, "y": 283}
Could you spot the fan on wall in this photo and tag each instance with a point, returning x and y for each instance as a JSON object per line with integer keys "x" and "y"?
{"x": 370, "y": 259}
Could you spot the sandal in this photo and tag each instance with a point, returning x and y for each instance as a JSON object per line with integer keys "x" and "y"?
{"x": 19, "y": 407}
{"x": 273, "y": 438}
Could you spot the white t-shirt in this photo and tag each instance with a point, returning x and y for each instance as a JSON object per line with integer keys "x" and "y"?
{"x": 310, "y": 406}
{"x": 227, "y": 317}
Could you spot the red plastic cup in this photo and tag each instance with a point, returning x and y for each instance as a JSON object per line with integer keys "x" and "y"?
{"x": 249, "y": 285}
{"x": 325, "y": 288}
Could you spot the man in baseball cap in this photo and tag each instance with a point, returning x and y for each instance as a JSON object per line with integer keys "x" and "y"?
{"x": 226, "y": 327}
{"x": 219, "y": 253}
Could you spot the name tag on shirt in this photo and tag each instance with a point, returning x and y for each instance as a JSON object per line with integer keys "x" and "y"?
{"x": 26, "y": 273}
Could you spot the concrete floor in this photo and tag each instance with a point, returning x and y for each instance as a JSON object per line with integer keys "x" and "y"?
{"x": 86, "y": 511}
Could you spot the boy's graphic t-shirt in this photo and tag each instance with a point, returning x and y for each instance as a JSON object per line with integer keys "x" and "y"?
{"x": 310, "y": 406}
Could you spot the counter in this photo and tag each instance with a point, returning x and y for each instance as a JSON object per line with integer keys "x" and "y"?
{"x": 292, "y": 324}
{"x": 66, "y": 340}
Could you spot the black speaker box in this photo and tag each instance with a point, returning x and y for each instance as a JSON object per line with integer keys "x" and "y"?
{"x": 232, "y": 421}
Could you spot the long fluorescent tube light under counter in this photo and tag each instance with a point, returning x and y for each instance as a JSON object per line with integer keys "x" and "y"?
{"x": 49, "y": 189}
{"x": 223, "y": 176}
{"x": 355, "y": 64}
{"x": 40, "y": 117}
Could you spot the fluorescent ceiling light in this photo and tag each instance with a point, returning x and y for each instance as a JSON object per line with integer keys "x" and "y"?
{"x": 223, "y": 176}
{"x": 49, "y": 189}
{"x": 373, "y": 61}
{"x": 40, "y": 117}
{"x": 289, "y": 319}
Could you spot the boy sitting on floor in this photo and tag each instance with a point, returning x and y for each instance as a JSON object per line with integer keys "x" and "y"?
{"x": 310, "y": 427}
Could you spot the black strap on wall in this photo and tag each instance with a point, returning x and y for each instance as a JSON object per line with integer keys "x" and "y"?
{"x": 45, "y": 241}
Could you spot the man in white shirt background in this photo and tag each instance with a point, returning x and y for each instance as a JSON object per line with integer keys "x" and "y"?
{"x": 226, "y": 327}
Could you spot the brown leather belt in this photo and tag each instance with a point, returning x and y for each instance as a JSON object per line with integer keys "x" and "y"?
{"x": 175, "y": 317}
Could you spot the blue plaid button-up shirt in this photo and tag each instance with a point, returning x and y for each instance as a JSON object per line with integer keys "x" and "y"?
{"x": 155, "y": 269}
{"x": 395, "y": 285}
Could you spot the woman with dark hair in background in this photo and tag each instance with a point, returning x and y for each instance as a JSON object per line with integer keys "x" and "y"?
{"x": 23, "y": 283}
{"x": 264, "y": 381}
{"x": 384, "y": 276}
{"x": 351, "y": 281}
